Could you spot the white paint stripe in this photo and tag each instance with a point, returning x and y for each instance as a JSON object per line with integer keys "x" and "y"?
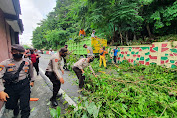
{"x": 2, "y": 111}
{"x": 65, "y": 96}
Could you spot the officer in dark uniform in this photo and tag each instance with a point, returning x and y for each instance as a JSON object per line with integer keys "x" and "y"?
{"x": 17, "y": 89}
{"x": 53, "y": 73}
{"x": 65, "y": 64}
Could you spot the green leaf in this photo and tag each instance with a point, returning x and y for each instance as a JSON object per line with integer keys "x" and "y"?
{"x": 53, "y": 113}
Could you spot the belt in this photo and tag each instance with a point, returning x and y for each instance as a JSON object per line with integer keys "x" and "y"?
{"x": 19, "y": 82}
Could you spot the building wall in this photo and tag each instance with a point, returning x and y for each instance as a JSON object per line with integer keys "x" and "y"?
{"x": 5, "y": 40}
{"x": 161, "y": 53}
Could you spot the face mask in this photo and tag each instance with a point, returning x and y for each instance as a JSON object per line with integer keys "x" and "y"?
{"x": 91, "y": 60}
{"x": 17, "y": 56}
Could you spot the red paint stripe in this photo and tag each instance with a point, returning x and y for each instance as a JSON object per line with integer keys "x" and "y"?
{"x": 153, "y": 45}
{"x": 164, "y": 45}
{"x": 128, "y": 60}
{"x": 175, "y": 54}
{"x": 152, "y": 57}
{"x": 151, "y": 49}
{"x": 162, "y": 62}
{"x": 166, "y": 61}
{"x": 140, "y": 49}
{"x": 171, "y": 54}
{"x": 164, "y": 49}
{"x": 142, "y": 62}
{"x": 147, "y": 63}
{"x": 47, "y": 52}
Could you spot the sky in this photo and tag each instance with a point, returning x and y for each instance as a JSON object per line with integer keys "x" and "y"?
{"x": 33, "y": 11}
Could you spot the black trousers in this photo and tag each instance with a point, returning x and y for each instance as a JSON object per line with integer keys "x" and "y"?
{"x": 19, "y": 92}
{"x": 65, "y": 66}
{"x": 55, "y": 81}
{"x": 36, "y": 66}
{"x": 79, "y": 76}
{"x": 115, "y": 59}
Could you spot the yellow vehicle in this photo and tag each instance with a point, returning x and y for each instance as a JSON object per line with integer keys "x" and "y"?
{"x": 77, "y": 47}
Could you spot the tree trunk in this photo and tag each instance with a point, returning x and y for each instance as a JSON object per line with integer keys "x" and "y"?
{"x": 149, "y": 31}
{"x": 121, "y": 39}
{"x": 127, "y": 38}
{"x": 134, "y": 37}
{"x": 114, "y": 34}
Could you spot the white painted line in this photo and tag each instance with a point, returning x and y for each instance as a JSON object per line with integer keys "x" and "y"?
{"x": 2, "y": 111}
{"x": 65, "y": 96}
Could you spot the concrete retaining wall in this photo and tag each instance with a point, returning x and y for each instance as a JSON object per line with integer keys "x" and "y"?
{"x": 161, "y": 53}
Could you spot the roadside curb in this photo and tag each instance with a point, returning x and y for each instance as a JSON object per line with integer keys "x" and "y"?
{"x": 65, "y": 96}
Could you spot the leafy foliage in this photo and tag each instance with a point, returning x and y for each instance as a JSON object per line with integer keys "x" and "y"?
{"x": 119, "y": 21}
{"x": 128, "y": 91}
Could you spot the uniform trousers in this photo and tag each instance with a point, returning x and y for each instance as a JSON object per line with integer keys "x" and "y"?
{"x": 102, "y": 58}
{"x": 55, "y": 81}
{"x": 65, "y": 64}
{"x": 19, "y": 92}
{"x": 36, "y": 66}
{"x": 79, "y": 76}
{"x": 115, "y": 59}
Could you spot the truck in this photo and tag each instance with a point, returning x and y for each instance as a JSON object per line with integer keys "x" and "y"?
{"x": 76, "y": 47}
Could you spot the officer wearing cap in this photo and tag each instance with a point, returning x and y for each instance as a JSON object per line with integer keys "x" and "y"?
{"x": 89, "y": 50}
{"x": 79, "y": 69}
{"x": 54, "y": 75}
{"x": 19, "y": 89}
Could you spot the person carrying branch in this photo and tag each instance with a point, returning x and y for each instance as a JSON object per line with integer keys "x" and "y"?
{"x": 79, "y": 69}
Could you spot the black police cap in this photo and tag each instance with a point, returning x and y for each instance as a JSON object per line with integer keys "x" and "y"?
{"x": 63, "y": 50}
{"x": 18, "y": 48}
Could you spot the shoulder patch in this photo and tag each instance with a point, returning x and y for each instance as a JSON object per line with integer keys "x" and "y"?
{"x": 2, "y": 66}
{"x": 56, "y": 60}
{"x": 10, "y": 70}
{"x": 84, "y": 60}
{"x": 1, "y": 69}
{"x": 26, "y": 63}
{"x": 26, "y": 67}
{"x": 11, "y": 64}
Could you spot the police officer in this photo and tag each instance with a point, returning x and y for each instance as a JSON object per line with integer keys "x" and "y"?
{"x": 89, "y": 50}
{"x": 53, "y": 73}
{"x": 65, "y": 64}
{"x": 18, "y": 90}
{"x": 79, "y": 69}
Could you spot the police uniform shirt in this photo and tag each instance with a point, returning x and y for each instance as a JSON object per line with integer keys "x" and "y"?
{"x": 11, "y": 66}
{"x": 82, "y": 63}
{"x": 89, "y": 51}
{"x": 55, "y": 64}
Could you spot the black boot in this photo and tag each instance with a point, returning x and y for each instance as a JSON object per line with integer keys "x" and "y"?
{"x": 54, "y": 102}
{"x": 58, "y": 96}
{"x": 16, "y": 112}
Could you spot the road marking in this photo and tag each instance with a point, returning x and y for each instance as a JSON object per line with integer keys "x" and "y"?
{"x": 65, "y": 96}
{"x": 2, "y": 111}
